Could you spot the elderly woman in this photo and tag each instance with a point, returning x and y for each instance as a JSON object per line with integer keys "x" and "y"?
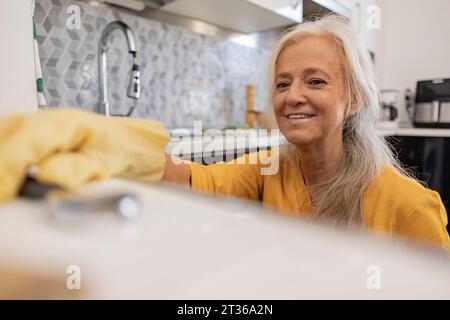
{"x": 326, "y": 103}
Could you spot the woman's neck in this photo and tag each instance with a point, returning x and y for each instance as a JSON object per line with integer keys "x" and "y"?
{"x": 320, "y": 162}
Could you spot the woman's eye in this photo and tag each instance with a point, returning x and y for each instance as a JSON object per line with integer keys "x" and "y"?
{"x": 282, "y": 85}
{"x": 316, "y": 82}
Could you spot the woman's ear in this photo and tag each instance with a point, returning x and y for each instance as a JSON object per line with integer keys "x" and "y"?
{"x": 351, "y": 110}
{"x": 354, "y": 108}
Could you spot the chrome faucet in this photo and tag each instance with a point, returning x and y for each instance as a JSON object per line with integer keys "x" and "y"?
{"x": 134, "y": 88}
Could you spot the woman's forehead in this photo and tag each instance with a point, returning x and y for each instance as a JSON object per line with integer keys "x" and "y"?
{"x": 314, "y": 52}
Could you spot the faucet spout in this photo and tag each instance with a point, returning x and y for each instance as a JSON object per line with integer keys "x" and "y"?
{"x": 134, "y": 86}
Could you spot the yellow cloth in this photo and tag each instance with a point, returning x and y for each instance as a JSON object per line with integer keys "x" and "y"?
{"x": 393, "y": 204}
{"x": 71, "y": 147}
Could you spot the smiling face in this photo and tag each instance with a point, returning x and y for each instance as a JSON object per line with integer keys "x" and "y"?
{"x": 309, "y": 97}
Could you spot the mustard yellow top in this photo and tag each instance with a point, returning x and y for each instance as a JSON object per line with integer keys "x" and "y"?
{"x": 392, "y": 204}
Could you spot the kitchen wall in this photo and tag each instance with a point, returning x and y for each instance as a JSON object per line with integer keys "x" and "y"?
{"x": 17, "y": 83}
{"x": 416, "y": 43}
{"x": 372, "y": 38}
{"x": 411, "y": 45}
{"x": 185, "y": 76}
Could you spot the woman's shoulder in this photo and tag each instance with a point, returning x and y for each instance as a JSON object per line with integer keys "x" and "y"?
{"x": 397, "y": 192}
{"x": 414, "y": 210}
{"x": 393, "y": 183}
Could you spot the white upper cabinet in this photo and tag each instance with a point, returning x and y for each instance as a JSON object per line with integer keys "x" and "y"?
{"x": 333, "y": 6}
{"x": 291, "y": 9}
{"x": 249, "y": 16}
{"x": 239, "y": 15}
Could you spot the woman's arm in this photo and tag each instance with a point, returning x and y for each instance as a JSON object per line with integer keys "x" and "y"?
{"x": 176, "y": 173}
{"x": 427, "y": 223}
{"x": 238, "y": 178}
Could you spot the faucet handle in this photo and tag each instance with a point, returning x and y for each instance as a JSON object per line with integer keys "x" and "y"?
{"x": 134, "y": 88}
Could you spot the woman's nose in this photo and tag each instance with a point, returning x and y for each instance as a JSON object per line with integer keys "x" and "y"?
{"x": 295, "y": 95}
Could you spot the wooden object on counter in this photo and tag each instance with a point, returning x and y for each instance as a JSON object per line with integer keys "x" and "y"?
{"x": 257, "y": 119}
{"x": 266, "y": 120}
{"x": 250, "y": 115}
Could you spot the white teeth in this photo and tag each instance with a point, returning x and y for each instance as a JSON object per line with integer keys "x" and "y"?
{"x": 299, "y": 116}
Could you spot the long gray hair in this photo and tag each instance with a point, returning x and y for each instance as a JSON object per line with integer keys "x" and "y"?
{"x": 366, "y": 152}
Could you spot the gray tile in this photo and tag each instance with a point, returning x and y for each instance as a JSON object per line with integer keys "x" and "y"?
{"x": 39, "y": 9}
{"x": 74, "y": 65}
{"x": 55, "y": 11}
{"x": 53, "y": 93}
{"x": 56, "y": 42}
{"x": 70, "y": 83}
{"x": 47, "y": 25}
{"x": 184, "y": 75}
{"x": 54, "y": 101}
{"x": 52, "y": 72}
{"x": 39, "y": 17}
{"x": 52, "y": 62}
{"x": 40, "y": 39}
{"x": 79, "y": 100}
{"x": 73, "y": 34}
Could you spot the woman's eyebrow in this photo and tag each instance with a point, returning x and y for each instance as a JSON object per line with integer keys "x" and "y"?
{"x": 309, "y": 71}
{"x": 305, "y": 73}
{"x": 283, "y": 75}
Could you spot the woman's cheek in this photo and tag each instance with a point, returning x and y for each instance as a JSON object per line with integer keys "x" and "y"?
{"x": 277, "y": 104}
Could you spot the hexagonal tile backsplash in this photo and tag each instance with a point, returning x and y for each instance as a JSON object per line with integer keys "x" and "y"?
{"x": 185, "y": 76}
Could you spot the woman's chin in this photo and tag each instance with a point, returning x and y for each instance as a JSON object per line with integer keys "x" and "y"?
{"x": 297, "y": 138}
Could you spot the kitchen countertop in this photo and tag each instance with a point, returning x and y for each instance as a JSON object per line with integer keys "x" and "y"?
{"x": 190, "y": 246}
{"x": 415, "y": 132}
{"x": 245, "y": 142}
